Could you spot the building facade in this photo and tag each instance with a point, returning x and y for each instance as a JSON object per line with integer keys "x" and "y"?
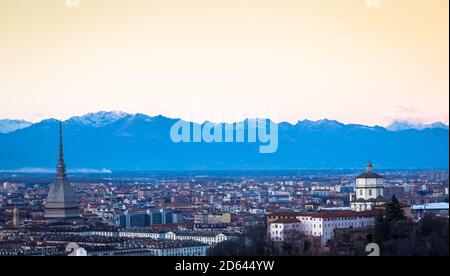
{"x": 320, "y": 224}
{"x": 209, "y": 238}
{"x": 284, "y": 229}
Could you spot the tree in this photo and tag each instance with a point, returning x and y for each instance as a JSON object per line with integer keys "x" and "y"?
{"x": 228, "y": 249}
{"x": 293, "y": 240}
{"x": 394, "y": 211}
{"x": 397, "y": 236}
{"x": 382, "y": 229}
{"x": 433, "y": 236}
{"x": 256, "y": 244}
{"x": 384, "y": 222}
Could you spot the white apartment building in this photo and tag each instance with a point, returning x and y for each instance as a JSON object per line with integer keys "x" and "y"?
{"x": 156, "y": 250}
{"x": 209, "y": 238}
{"x": 194, "y": 250}
{"x": 203, "y": 237}
{"x": 141, "y": 234}
{"x": 319, "y": 224}
{"x": 283, "y": 229}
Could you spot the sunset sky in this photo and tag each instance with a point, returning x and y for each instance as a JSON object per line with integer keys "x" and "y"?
{"x": 286, "y": 59}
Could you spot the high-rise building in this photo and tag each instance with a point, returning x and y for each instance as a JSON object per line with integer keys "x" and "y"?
{"x": 61, "y": 204}
{"x": 163, "y": 216}
{"x": 133, "y": 220}
{"x": 368, "y": 191}
{"x": 149, "y": 218}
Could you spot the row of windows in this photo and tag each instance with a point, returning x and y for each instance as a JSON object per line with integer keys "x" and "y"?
{"x": 361, "y": 192}
{"x": 338, "y": 224}
{"x": 286, "y": 226}
{"x": 346, "y": 224}
{"x": 274, "y": 233}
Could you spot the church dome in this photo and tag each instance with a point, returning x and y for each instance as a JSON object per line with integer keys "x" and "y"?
{"x": 369, "y": 172}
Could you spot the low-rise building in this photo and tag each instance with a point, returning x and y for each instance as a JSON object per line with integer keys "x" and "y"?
{"x": 284, "y": 229}
{"x": 207, "y": 237}
{"x": 437, "y": 209}
{"x": 322, "y": 224}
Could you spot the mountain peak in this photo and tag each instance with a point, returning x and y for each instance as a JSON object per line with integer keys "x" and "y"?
{"x": 438, "y": 125}
{"x": 7, "y": 126}
{"x": 319, "y": 123}
{"x": 400, "y": 125}
{"x": 141, "y": 142}
{"x": 329, "y": 122}
{"x": 98, "y": 119}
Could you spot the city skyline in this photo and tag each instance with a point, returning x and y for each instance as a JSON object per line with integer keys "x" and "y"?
{"x": 244, "y": 130}
{"x": 296, "y": 59}
{"x": 185, "y": 214}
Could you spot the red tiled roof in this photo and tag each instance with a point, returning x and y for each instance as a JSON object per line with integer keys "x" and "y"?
{"x": 335, "y": 214}
{"x": 286, "y": 221}
{"x": 283, "y": 214}
{"x": 325, "y": 214}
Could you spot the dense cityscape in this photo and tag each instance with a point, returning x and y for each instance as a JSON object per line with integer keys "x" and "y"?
{"x": 215, "y": 213}
{"x": 218, "y": 135}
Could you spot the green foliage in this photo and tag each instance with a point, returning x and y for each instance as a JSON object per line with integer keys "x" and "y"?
{"x": 258, "y": 244}
{"x": 400, "y": 237}
{"x": 382, "y": 229}
{"x": 394, "y": 211}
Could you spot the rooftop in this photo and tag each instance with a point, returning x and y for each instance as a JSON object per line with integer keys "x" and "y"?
{"x": 431, "y": 206}
{"x": 286, "y": 221}
{"x": 369, "y": 172}
{"x": 325, "y": 214}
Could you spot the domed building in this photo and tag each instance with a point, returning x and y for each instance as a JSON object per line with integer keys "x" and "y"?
{"x": 62, "y": 203}
{"x": 368, "y": 191}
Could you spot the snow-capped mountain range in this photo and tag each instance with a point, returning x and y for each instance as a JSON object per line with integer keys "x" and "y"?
{"x": 7, "y": 126}
{"x": 104, "y": 118}
{"x": 122, "y": 141}
{"x": 98, "y": 119}
{"x": 405, "y": 125}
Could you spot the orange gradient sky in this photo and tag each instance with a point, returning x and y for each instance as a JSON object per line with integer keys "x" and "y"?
{"x": 297, "y": 59}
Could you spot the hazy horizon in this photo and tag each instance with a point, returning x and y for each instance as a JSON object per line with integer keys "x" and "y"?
{"x": 411, "y": 121}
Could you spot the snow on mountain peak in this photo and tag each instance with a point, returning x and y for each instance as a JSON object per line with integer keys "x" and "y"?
{"x": 406, "y": 125}
{"x": 99, "y": 119}
{"x": 8, "y": 126}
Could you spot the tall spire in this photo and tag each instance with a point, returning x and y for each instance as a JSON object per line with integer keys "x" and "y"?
{"x": 61, "y": 168}
{"x": 62, "y": 203}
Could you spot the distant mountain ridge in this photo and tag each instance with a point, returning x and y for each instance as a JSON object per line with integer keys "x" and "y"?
{"x": 7, "y": 126}
{"x": 405, "y": 125}
{"x": 98, "y": 119}
{"x": 121, "y": 141}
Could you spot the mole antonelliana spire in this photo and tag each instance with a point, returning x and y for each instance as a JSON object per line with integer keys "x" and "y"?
{"x": 61, "y": 168}
{"x": 62, "y": 204}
